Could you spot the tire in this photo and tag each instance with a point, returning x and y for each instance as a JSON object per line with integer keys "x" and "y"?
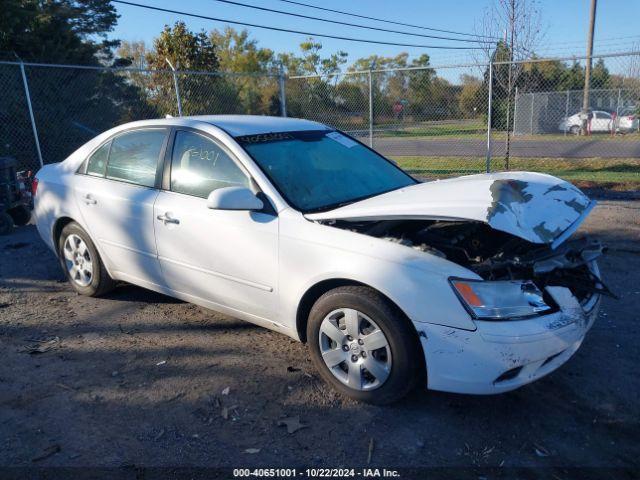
{"x": 6, "y": 223}
{"x": 88, "y": 259}
{"x": 21, "y": 215}
{"x": 401, "y": 357}
{"x": 574, "y": 130}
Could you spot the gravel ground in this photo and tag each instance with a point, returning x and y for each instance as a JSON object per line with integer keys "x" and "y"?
{"x": 141, "y": 379}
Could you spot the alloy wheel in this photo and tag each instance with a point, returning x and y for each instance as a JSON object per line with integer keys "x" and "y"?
{"x": 354, "y": 349}
{"x": 78, "y": 260}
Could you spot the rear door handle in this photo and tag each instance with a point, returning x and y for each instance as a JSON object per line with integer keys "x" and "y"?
{"x": 167, "y": 219}
{"x": 89, "y": 200}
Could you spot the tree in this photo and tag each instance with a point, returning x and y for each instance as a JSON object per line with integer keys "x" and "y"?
{"x": 311, "y": 61}
{"x": 258, "y": 89}
{"x": 471, "y": 102}
{"x": 199, "y": 93}
{"x": 600, "y": 75}
{"x": 184, "y": 49}
{"x": 315, "y": 97}
{"x": 70, "y": 105}
{"x": 520, "y": 19}
{"x": 62, "y": 31}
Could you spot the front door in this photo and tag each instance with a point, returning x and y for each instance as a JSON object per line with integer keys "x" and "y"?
{"x": 228, "y": 258}
{"x": 116, "y": 194}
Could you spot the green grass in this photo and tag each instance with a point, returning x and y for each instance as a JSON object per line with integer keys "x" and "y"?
{"x": 474, "y": 129}
{"x": 617, "y": 174}
{"x": 463, "y": 129}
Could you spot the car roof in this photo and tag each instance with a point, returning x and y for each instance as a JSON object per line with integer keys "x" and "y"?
{"x": 238, "y": 125}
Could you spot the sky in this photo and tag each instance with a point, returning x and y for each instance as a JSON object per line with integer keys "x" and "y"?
{"x": 564, "y": 22}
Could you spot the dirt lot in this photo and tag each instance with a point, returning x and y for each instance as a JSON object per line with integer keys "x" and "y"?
{"x": 138, "y": 379}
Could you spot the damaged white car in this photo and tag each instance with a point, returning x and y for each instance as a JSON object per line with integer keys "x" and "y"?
{"x": 469, "y": 285}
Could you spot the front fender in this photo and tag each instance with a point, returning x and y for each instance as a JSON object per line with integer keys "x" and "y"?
{"x": 416, "y": 282}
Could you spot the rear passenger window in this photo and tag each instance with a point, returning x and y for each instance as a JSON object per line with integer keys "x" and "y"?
{"x": 97, "y": 163}
{"x": 134, "y": 156}
{"x": 199, "y": 166}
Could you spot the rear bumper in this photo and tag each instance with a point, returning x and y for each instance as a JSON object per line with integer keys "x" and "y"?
{"x": 501, "y": 356}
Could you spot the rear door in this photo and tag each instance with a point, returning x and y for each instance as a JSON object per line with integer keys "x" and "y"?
{"x": 116, "y": 193}
{"x": 225, "y": 257}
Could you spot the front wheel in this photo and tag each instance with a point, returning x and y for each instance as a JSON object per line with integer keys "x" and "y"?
{"x": 82, "y": 263}
{"x": 363, "y": 346}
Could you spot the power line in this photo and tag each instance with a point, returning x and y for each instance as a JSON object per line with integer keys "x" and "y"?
{"x": 278, "y": 29}
{"x": 389, "y": 21}
{"x": 379, "y": 29}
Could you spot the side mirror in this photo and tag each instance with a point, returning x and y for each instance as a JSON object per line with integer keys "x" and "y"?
{"x": 234, "y": 198}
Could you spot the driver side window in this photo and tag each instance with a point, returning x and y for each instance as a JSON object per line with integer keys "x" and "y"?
{"x": 199, "y": 166}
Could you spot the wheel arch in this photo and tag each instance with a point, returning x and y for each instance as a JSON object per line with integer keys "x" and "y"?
{"x": 314, "y": 292}
{"x": 58, "y": 226}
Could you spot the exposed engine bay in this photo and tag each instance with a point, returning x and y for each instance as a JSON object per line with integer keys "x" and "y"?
{"x": 496, "y": 255}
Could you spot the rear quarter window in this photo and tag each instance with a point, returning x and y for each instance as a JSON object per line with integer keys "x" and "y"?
{"x": 97, "y": 162}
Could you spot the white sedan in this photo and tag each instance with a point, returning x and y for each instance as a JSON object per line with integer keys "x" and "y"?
{"x": 468, "y": 285}
{"x": 601, "y": 122}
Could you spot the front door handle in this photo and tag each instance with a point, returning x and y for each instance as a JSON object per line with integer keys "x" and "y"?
{"x": 167, "y": 219}
{"x": 89, "y": 200}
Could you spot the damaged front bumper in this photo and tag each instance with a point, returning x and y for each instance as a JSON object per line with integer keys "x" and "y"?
{"x": 503, "y": 355}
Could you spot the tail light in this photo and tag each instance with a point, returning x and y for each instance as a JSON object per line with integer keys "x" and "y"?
{"x": 34, "y": 186}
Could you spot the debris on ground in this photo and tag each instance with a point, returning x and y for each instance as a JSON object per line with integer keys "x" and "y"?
{"x": 175, "y": 397}
{"x": 66, "y": 387}
{"x": 291, "y": 369}
{"x": 226, "y": 391}
{"x": 292, "y": 423}
{"x": 540, "y": 450}
{"x": 227, "y": 410}
{"x": 370, "y": 454}
{"x": 41, "y": 346}
{"x": 252, "y": 450}
{"x": 161, "y": 363}
{"x": 47, "y": 452}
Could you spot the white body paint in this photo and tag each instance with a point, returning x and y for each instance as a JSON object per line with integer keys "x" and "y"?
{"x": 258, "y": 266}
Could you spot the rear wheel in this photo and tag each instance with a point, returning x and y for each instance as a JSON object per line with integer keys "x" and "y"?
{"x": 82, "y": 263}
{"x": 574, "y": 130}
{"x": 363, "y": 346}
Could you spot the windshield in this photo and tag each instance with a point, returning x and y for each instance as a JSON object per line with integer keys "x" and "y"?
{"x": 320, "y": 170}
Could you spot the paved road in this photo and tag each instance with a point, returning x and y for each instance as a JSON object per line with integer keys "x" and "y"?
{"x": 561, "y": 148}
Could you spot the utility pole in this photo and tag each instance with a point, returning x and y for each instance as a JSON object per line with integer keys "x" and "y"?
{"x": 587, "y": 72}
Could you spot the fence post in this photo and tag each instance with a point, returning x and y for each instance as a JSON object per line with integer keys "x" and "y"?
{"x": 175, "y": 83}
{"x": 566, "y": 114}
{"x": 33, "y": 120}
{"x": 283, "y": 95}
{"x": 515, "y": 110}
{"x": 489, "y": 111}
{"x": 531, "y": 119}
{"x": 370, "y": 110}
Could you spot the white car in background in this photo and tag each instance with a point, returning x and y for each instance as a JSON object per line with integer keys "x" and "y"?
{"x": 627, "y": 120}
{"x": 601, "y": 122}
{"x": 468, "y": 285}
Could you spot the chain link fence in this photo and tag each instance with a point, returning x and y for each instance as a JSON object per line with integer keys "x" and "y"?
{"x": 434, "y": 121}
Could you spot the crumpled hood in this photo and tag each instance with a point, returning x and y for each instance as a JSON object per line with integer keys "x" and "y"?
{"x": 536, "y": 207}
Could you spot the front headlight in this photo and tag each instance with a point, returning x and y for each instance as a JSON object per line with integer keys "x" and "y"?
{"x": 496, "y": 300}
